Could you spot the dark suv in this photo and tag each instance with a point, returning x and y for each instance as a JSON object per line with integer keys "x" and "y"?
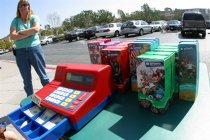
{"x": 76, "y": 34}
{"x": 193, "y": 22}
{"x": 91, "y": 32}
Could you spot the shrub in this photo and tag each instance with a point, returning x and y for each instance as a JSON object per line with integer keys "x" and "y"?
{"x": 58, "y": 38}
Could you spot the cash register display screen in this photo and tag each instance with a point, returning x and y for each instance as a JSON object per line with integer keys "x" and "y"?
{"x": 80, "y": 78}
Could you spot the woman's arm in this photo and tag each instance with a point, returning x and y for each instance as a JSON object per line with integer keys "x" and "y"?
{"x": 14, "y": 35}
{"x": 31, "y": 31}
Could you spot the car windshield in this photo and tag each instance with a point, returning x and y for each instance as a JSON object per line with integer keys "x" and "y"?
{"x": 193, "y": 17}
{"x": 154, "y": 22}
{"x": 79, "y": 30}
{"x": 129, "y": 23}
{"x": 92, "y": 28}
{"x": 108, "y": 26}
{"x": 74, "y": 31}
{"x": 173, "y": 22}
{"x": 43, "y": 37}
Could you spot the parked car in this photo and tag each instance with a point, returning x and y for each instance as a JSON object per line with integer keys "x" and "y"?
{"x": 91, "y": 32}
{"x": 173, "y": 25}
{"x": 207, "y": 24}
{"x": 193, "y": 22}
{"x": 111, "y": 29}
{"x": 79, "y": 33}
{"x": 138, "y": 27}
{"x": 75, "y": 34}
{"x": 157, "y": 25}
{"x": 46, "y": 39}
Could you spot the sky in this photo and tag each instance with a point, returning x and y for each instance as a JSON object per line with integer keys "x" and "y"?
{"x": 67, "y": 8}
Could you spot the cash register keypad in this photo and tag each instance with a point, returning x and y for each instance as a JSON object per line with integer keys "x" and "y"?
{"x": 67, "y": 98}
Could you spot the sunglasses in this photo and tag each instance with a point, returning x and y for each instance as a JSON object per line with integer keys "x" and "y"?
{"x": 23, "y": 5}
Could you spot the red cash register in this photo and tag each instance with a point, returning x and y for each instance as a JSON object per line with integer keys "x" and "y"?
{"x": 78, "y": 91}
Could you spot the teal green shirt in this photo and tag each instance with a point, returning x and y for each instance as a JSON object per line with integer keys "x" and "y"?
{"x": 30, "y": 41}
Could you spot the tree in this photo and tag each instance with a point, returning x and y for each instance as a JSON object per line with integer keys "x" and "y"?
{"x": 178, "y": 14}
{"x": 169, "y": 10}
{"x": 67, "y": 26}
{"x": 121, "y": 15}
{"x": 147, "y": 12}
{"x": 8, "y": 44}
{"x": 54, "y": 20}
{"x": 104, "y": 16}
{"x": 168, "y": 13}
{"x": 46, "y": 32}
{"x": 84, "y": 19}
{"x": 2, "y": 45}
{"x": 5, "y": 44}
{"x": 136, "y": 15}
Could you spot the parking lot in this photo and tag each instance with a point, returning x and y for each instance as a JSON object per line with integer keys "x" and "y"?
{"x": 77, "y": 52}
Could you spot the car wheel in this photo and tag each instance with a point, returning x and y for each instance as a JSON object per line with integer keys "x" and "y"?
{"x": 159, "y": 29}
{"x": 141, "y": 32}
{"x": 151, "y": 30}
{"x": 126, "y": 35}
{"x": 116, "y": 33}
{"x": 204, "y": 35}
{"x": 183, "y": 33}
{"x": 70, "y": 40}
{"x": 47, "y": 42}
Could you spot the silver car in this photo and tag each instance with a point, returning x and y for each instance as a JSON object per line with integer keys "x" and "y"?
{"x": 111, "y": 29}
{"x": 138, "y": 27}
{"x": 157, "y": 25}
{"x": 46, "y": 39}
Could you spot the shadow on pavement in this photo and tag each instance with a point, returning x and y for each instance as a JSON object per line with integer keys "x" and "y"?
{"x": 137, "y": 121}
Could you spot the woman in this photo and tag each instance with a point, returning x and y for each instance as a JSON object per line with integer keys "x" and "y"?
{"x": 24, "y": 31}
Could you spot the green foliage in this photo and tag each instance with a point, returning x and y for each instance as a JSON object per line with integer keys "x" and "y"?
{"x": 5, "y": 44}
{"x": 2, "y": 45}
{"x": 67, "y": 26}
{"x": 46, "y": 32}
{"x": 89, "y": 18}
{"x": 136, "y": 15}
{"x": 8, "y": 44}
{"x": 58, "y": 38}
{"x": 104, "y": 16}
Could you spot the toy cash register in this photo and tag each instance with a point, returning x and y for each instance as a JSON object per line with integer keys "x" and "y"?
{"x": 77, "y": 93}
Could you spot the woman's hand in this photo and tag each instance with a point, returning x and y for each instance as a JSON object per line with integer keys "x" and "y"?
{"x": 14, "y": 35}
{"x": 30, "y": 31}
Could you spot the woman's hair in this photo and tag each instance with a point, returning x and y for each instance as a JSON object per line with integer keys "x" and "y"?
{"x": 29, "y": 8}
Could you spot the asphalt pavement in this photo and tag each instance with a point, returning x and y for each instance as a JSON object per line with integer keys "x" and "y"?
{"x": 11, "y": 89}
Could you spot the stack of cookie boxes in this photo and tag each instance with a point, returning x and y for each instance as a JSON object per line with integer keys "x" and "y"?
{"x": 137, "y": 48}
{"x": 154, "y": 81}
{"x": 175, "y": 78}
{"x": 186, "y": 57}
{"x": 94, "y": 50}
{"x": 188, "y": 69}
{"x": 167, "y": 71}
{"x": 117, "y": 57}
